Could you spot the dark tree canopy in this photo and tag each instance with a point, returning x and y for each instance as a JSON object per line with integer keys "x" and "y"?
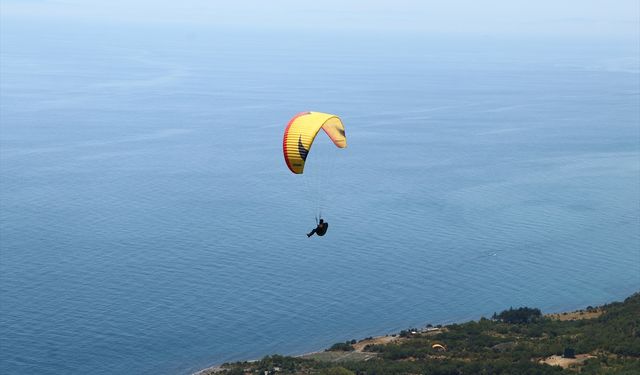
{"x": 519, "y": 315}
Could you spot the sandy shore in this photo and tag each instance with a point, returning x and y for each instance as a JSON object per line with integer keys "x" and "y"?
{"x": 357, "y": 354}
{"x": 360, "y": 354}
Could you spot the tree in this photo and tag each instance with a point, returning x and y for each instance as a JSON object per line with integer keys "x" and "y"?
{"x": 519, "y": 315}
{"x": 569, "y": 353}
{"x": 341, "y": 347}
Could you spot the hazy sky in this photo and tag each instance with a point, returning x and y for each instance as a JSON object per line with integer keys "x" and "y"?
{"x": 603, "y": 18}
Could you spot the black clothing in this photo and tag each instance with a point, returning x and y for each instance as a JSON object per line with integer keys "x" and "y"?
{"x": 320, "y": 230}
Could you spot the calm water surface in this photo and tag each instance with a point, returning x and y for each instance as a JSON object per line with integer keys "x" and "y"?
{"x": 149, "y": 224}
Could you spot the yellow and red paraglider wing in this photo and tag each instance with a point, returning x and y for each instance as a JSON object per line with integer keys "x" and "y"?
{"x": 335, "y": 130}
{"x": 301, "y": 132}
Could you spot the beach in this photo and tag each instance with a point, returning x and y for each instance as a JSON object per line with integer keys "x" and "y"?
{"x": 359, "y": 353}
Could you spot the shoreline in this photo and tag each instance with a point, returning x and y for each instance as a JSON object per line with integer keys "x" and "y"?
{"x": 573, "y": 314}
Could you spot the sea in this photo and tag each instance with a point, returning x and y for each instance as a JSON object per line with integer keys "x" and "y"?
{"x": 149, "y": 223}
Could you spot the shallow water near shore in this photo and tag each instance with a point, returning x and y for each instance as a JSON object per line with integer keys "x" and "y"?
{"x": 149, "y": 224}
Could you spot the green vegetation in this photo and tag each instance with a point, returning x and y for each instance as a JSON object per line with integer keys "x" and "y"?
{"x": 342, "y": 346}
{"x": 408, "y": 332}
{"x": 520, "y": 315}
{"x": 515, "y": 341}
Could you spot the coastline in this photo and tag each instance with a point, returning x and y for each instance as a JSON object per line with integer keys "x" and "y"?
{"x": 572, "y": 314}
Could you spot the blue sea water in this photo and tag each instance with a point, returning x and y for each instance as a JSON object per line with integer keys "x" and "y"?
{"x": 149, "y": 225}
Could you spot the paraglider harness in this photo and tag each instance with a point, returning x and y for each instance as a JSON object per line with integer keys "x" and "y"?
{"x": 320, "y": 229}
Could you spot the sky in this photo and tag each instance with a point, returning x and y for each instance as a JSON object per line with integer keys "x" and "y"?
{"x": 570, "y": 18}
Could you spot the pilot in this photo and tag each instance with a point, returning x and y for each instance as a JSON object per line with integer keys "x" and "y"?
{"x": 320, "y": 230}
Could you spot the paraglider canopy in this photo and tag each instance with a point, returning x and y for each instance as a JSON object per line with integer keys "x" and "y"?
{"x": 302, "y": 130}
{"x": 439, "y": 347}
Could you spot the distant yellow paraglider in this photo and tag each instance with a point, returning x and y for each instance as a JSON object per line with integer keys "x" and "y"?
{"x": 439, "y": 347}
